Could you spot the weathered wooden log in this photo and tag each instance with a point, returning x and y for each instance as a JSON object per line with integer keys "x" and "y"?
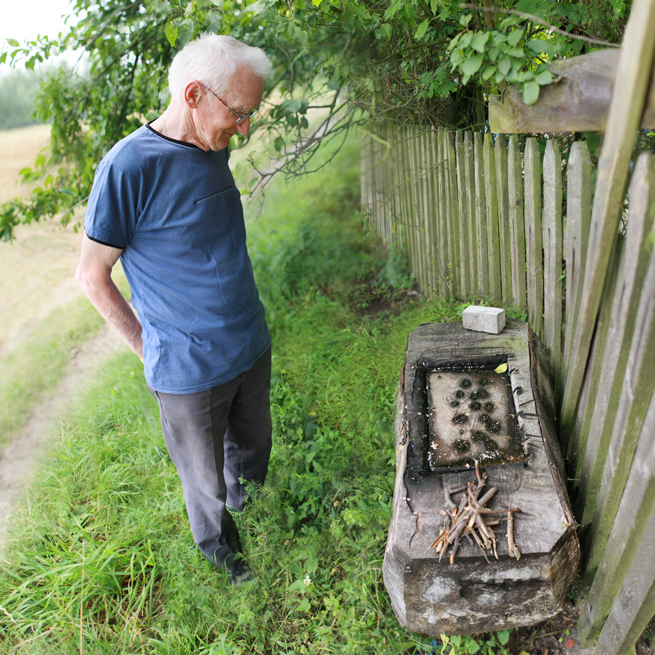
{"x": 577, "y": 102}
{"x": 472, "y": 595}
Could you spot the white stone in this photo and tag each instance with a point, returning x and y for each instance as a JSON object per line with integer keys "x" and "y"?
{"x": 484, "y": 319}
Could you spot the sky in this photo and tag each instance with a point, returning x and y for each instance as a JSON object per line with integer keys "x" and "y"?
{"x": 26, "y": 20}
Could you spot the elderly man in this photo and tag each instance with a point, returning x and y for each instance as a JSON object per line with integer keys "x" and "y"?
{"x": 165, "y": 202}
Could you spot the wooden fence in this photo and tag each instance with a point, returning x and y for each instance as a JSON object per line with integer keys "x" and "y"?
{"x": 485, "y": 218}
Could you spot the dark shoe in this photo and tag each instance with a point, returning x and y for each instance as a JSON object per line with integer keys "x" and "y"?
{"x": 237, "y": 570}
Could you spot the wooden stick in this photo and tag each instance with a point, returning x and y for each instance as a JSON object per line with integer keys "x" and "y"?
{"x": 511, "y": 546}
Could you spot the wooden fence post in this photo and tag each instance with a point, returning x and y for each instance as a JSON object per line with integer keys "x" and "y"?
{"x": 437, "y": 220}
{"x": 408, "y": 204}
{"x": 444, "y": 234}
{"x": 416, "y": 217}
{"x": 633, "y": 607}
{"x": 493, "y": 237}
{"x": 578, "y": 218}
{"x": 428, "y": 210}
{"x": 469, "y": 178}
{"x": 631, "y": 536}
{"x": 637, "y": 388}
{"x": 453, "y": 218}
{"x": 503, "y": 220}
{"x": 516, "y": 221}
{"x": 386, "y": 192}
{"x": 577, "y": 448}
{"x": 481, "y": 218}
{"x": 552, "y": 240}
{"x": 462, "y": 205}
{"x": 626, "y": 108}
{"x": 532, "y": 167}
{"x": 623, "y": 314}
{"x": 430, "y": 213}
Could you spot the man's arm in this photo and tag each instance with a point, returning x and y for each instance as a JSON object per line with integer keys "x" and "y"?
{"x": 94, "y": 276}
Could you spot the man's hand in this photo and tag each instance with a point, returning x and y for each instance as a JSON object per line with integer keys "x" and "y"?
{"x": 94, "y": 276}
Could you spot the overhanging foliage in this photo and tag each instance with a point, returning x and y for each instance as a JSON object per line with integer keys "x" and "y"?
{"x": 399, "y": 61}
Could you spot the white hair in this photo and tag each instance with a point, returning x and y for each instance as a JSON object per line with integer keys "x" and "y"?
{"x": 212, "y": 59}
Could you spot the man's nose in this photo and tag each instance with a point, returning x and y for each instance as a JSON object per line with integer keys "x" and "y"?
{"x": 244, "y": 128}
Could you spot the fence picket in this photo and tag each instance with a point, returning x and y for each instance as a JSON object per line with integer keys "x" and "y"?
{"x": 575, "y": 449}
{"x": 578, "y": 219}
{"x": 630, "y": 89}
{"x": 532, "y": 166}
{"x": 462, "y": 204}
{"x": 409, "y": 204}
{"x": 505, "y": 241}
{"x": 632, "y": 609}
{"x": 444, "y": 239}
{"x": 365, "y": 164}
{"x": 622, "y": 325}
{"x": 429, "y": 209}
{"x": 631, "y": 540}
{"x": 403, "y": 213}
{"x": 552, "y": 240}
{"x": 417, "y": 202}
{"x": 428, "y": 212}
{"x": 516, "y": 221}
{"x": 493, "y": 238}
{"x": 638, "y": 385}
{"x": 455, "y": 262}
{"x": 472, "y": 254}
{"x": 384, "y": 191}
{"x": 481, "y": 218}
{"x": 392, "y": 201}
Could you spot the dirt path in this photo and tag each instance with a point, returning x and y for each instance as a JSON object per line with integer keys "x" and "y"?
{"x": 18, "y": 460}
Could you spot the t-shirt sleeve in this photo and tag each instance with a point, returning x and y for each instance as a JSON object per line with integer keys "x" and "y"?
{"x": 112, "y": 210}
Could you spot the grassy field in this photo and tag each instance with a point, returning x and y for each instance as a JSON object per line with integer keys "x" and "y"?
{"x": 101, "y": 559}
{"x": 45, "y": 316}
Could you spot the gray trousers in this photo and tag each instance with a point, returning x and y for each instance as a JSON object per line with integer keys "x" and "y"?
{"x": 214, "y": 438}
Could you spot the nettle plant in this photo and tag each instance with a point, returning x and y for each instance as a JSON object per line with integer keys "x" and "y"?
{"x": 503, "y": 55}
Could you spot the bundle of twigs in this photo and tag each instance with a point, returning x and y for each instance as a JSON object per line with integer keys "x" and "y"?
{"x": 473, "y": 520}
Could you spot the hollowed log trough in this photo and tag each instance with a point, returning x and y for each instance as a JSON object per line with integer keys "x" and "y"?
{"x": 442, "y": 428}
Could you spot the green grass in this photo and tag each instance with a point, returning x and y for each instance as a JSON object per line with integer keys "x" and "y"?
{"x": 101, "y": 559}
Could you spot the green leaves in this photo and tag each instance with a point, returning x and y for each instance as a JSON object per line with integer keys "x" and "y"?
{"x": 422, "y": 29}
{"x": 314, "y": 46}
{"x": 171, "y": 33}
{"x": 514, "y": 37}
{"x": 479, "y": 41}
{"x": 530, "y": 93}
{"x": 498, "y": 56}
{"x": 504, "y": 65}
{"x": 215, "y": 22}
{"x": 471, "y": 66}
{"x": 538, "y": 46}
{"x": 543, "y": 78}
{"x": 185, "y": 31}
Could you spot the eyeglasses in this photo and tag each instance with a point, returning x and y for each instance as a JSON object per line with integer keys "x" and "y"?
{"x": 240, "y": 117}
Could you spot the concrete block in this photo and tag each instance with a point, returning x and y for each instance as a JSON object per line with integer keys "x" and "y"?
{"x": 484, "y": 319}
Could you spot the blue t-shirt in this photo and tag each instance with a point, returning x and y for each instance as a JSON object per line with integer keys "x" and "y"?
{"x": 176, "y": 213}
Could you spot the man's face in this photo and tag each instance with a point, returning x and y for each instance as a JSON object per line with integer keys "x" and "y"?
{"x": 214, "y": 123}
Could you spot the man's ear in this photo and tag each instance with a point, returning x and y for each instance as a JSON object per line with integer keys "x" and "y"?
{"x": 192, "y": 94}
